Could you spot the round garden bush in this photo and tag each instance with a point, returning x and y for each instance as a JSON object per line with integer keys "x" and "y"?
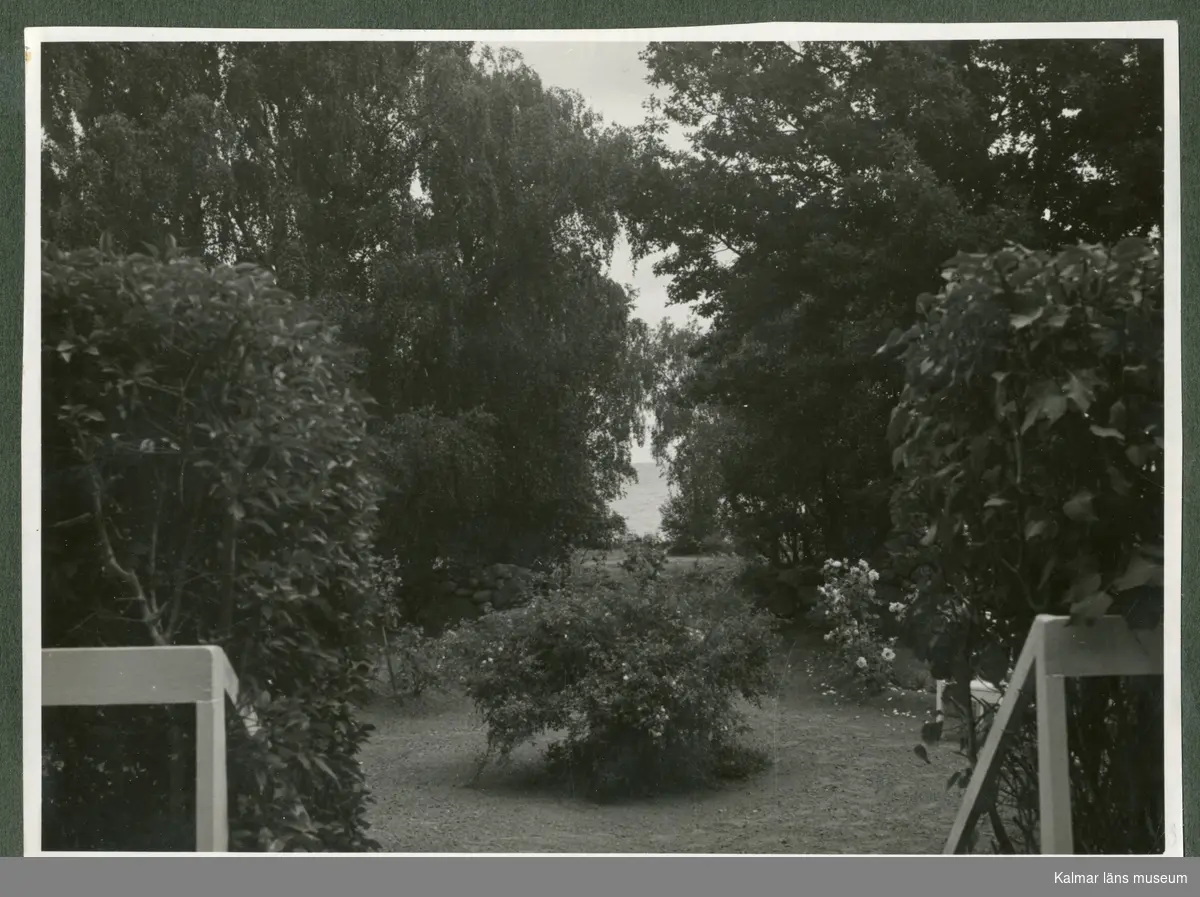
{"x": 638, "y": 686}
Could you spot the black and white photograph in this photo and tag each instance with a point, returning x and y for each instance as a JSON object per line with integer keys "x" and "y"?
{"x": 759, "y": 443}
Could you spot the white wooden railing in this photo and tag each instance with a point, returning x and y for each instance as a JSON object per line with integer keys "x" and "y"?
{"x": 199, "y": 675}
{"x": 981, "y": 691}
{"x": 1055, "y": 650}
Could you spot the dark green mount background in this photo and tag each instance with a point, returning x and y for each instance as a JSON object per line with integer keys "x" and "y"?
{"x": 521, "y": 14}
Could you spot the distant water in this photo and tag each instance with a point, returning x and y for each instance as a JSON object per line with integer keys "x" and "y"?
{"x": 643, "y": 499}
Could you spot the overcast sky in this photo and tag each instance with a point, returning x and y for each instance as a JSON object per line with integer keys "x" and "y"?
{"x": 612, "y": 80}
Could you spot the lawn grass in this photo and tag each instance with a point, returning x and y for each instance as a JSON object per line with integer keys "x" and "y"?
{"x": 843, "y": 779}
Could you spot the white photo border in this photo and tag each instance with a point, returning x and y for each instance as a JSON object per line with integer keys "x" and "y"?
{"x": 1167, "y": 31}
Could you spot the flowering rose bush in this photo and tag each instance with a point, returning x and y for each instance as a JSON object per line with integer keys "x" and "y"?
{"x": 851, "y": 609}
{"x": 641, "y": 684}
{"x": 900, "y": 609}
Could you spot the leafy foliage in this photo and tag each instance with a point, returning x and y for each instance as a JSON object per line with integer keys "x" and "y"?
{"x": 645, "y": 557}
{"x": 823, "y": 186}
{"x": 206, "y": 480}
{"x": 1029, "y": 446}
{"x": 510, "y": 331}
{"x": 641, "y": 683}
{"x": 409, "y": 663}
{"x": 1029, "y": 435}
{"x": 449, "y": 212}
{"x": 414, "y": 662}
{"x": 692, "y": 440}
{"x": 297, "y": 156}
{"x": 609, "y": 532}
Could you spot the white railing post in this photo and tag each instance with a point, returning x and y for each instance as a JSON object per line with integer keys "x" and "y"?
{"x": 1054, "y": 756}
{"x": 1057, "y": 648}
{"x": 191, "y": 674}
{"x": 212, "y": 826}
{"x": 986, "y": 769}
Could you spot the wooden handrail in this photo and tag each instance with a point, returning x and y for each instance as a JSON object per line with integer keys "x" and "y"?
{"x": 1055, "y": 650}
{"x": 185, "y": 674}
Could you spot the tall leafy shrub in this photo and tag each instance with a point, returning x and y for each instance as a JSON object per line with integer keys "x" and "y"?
{"x": 205, "y": 481}
{"x": 637, "y": 686}
{"x": 1029, "y": 447}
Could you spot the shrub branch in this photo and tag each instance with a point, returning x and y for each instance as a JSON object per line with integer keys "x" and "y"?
{"x": 150, "y": 614}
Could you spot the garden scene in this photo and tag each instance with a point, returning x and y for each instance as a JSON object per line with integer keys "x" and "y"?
{"x": 353, "y": 355}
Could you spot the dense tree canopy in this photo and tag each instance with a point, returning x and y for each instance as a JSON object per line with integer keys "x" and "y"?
{"x": 691, "y": 439}
{"x": 824, "y": 186}
{"x": 448, "y": 211}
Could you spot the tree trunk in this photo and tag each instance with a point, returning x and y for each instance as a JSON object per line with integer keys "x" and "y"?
{"x": 830, "y": 504}
{"x": 387, "y": 654}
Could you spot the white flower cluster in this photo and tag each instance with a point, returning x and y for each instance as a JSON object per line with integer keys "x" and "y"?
{"x": 860, "y": 571}
{"x": 887, "y": 655}
{"x": 658, "y": 726}
{"x": 849, "y": 604}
